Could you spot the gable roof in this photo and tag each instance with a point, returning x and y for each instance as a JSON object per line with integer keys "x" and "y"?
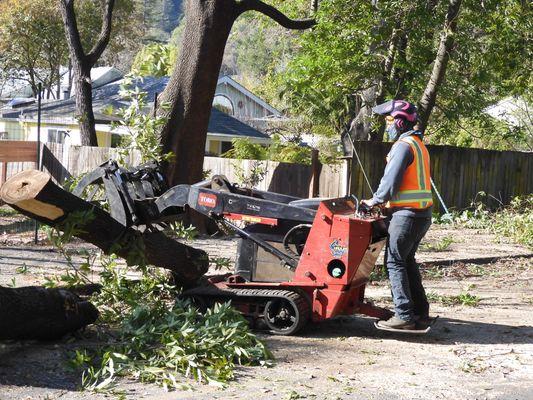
{"x": 229, "y": 81}
{"x": 108, "y": 95}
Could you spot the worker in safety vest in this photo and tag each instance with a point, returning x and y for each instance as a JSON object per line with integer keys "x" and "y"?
{"x": 405, "y": 193}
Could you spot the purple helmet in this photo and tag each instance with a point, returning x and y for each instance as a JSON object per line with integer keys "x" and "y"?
{"x": 397, "y": 109}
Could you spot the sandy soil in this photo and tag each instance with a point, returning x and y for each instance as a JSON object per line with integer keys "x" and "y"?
{"x": 473, "y": 352}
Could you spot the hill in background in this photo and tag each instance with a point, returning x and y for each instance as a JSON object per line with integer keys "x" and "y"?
{"x": 161, "y": 17}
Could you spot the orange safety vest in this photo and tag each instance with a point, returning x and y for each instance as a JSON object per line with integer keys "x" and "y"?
{"x": 415, "y": 189}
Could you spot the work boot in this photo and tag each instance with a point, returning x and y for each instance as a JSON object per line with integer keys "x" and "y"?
{"x": 396, "y": 323}
{"x": 423, "y": 319}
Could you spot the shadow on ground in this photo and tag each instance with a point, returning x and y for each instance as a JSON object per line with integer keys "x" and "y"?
{"x": 446, "y": 331}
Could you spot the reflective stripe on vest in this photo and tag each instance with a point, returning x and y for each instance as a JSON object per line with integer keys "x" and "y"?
{"x": 415, "y": 189}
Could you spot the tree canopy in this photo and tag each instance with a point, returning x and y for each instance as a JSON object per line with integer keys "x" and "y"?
{"x": 346, "y": 53}
{"x": 33, "y": 45}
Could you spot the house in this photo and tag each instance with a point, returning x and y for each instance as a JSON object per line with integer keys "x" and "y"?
{"x": 234, "y": 99}
{"x": 58, "y": 123}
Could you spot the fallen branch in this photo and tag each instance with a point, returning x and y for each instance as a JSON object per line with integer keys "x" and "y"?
{"x": 34, "y": 194}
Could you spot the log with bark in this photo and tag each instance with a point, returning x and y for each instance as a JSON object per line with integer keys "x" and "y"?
{"x": 34, "y": 194}
{"x": 42, "y": 314}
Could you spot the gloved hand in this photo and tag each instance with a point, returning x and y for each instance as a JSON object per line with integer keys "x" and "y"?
{"x": 368, "y": 205}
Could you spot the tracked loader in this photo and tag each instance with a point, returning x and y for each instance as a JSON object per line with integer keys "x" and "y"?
{"x": 298, "y": 260}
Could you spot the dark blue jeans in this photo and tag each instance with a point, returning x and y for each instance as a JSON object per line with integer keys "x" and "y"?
{"x": 408, "y": 294}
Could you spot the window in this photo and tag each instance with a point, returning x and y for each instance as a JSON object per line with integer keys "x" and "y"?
{"x": 57, "y": 135}
{"x": 223, "y": 103}
{"x": 225, "y": 146}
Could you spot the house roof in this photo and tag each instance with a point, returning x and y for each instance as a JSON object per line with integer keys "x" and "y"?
{"x": 17, "y": 84}
{"x": 108, "y": 95}
{"x": 225, "y": 124}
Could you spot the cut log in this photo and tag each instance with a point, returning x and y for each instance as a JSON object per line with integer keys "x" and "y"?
{"x": 34, "y": 194}
{"x": 42, "y": 314}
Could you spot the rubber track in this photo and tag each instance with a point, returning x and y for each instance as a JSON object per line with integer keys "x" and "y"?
{"x": 258, "y": 296}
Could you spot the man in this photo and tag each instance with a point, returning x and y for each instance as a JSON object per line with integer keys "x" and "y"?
{"x": 405, "y": 192}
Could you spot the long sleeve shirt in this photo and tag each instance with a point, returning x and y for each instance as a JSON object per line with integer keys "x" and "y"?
{"x": 399, "y": 158}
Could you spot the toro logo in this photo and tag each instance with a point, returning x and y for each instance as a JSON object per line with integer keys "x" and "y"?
{"x": 207, "y": 200}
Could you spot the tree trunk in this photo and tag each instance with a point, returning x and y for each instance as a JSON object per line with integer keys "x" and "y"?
{"x": 191, "y": 88}
{"x": 84, "y": 105}
{"x": 398, "y": 73}
{"x": 58, "y": 83}
{"x": 188, "y": 97}
{"x": 82, "y": 64}
{"x": 386, "y": 78}
{"x": 43, "y": 314}
{"x": 35, "y": 195}
{"x": 427, "y": 102}
{"x": 313, "y": 5}
{"x": 361, "y": 126}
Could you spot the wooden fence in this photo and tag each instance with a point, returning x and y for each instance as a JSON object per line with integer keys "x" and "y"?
{"x": 291, "y": 179}
{"x": 64, "y": 162}
{"x": 459, "y": 173}
{"x": 16, "y": 156}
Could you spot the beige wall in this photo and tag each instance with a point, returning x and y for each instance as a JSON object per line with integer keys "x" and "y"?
{"x": 213, "y": 146}
{"x": 249, "y": 108}
{"x": 15, "y": 130}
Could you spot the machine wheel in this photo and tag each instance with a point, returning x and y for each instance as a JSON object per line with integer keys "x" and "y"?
{"x": 284, "y": 317}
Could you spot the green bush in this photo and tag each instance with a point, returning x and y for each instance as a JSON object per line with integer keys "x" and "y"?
{"x": 278, "y": 150}
{"x": 244, "y": 149}
{"x": 516, "y": 221}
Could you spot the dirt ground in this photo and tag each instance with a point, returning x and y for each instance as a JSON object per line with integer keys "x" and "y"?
{"x": 484, "y": 351}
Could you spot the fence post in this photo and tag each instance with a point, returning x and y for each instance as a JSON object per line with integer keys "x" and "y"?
{"x": 39, "y": 127}
{"x": 39, "y": 161}
{"x": 347, "y": 175}
{"x": 315, "y": 168}
{"x": 4, "y": 173}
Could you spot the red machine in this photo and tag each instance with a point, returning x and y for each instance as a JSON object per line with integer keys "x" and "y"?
{"x": 298, "y": 260}
{"x": 334, "y": 258}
